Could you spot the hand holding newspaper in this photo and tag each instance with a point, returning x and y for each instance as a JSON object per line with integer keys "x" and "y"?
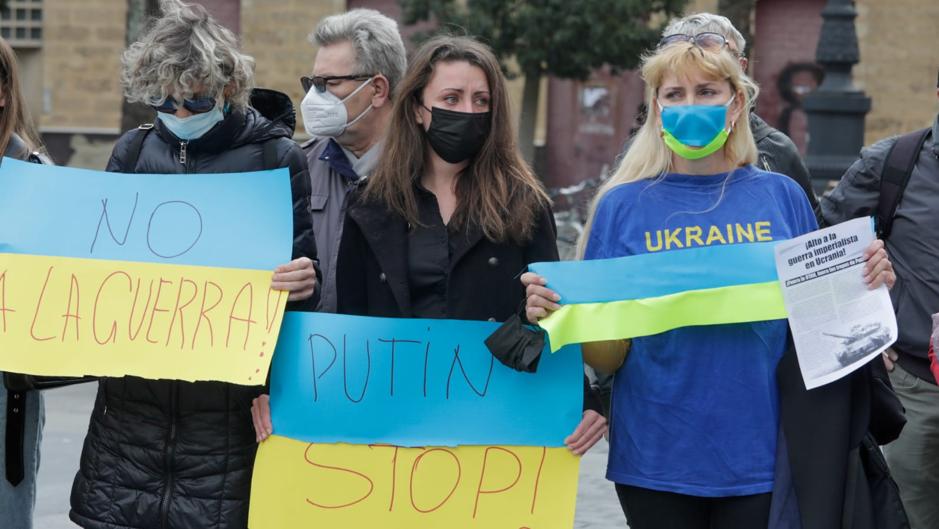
{"x": 837, "y": 323}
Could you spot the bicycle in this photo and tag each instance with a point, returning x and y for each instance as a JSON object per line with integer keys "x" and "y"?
{"x": 571, "y": 207}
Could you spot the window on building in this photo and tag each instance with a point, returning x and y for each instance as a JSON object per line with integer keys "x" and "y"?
{"x": 21, "y": 23}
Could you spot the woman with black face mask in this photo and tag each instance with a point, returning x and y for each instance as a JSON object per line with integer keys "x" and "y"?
{"x": 452, "y": 215}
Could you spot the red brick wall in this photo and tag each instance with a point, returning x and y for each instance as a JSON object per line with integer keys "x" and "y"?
{"x": 579, "y": 144}
{"x": 786, "y": 32}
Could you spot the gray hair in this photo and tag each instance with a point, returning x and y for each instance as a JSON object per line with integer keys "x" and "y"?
{"x": 704, "y": 23}
{"x": 375, "y": 38}
{"x": 186, "y": 50}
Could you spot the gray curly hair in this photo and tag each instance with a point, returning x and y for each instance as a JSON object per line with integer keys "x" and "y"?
{"x": 375, "y": 38}
{"x": 188, "y": 51}
{"x": 707, "y": 22}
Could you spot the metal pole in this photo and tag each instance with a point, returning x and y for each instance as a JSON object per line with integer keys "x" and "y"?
{"x": 836, "y": 110}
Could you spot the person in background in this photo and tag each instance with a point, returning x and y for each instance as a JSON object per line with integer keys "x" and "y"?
{"x": 913, "y": 245}
{"x": 347, "y": 107}
{"x": 174, "y": 454}
{"x": 21, "y": 406}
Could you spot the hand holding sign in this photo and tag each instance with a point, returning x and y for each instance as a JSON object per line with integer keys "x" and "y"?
{"x": 261, "y": 417}
{"x": 298, "y": 277}
{"x": 591, "y": 428}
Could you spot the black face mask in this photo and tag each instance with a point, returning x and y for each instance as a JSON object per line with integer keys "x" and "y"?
{"x": 457, "y": 136}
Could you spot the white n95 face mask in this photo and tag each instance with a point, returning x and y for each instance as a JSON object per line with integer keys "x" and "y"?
{"x": 324, "y": 114}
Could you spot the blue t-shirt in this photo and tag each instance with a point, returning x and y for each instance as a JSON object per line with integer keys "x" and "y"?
{"x": 695, "y": 410}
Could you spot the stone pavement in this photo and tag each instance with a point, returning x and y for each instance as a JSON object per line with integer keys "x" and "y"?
{"x": 68, "y": 409}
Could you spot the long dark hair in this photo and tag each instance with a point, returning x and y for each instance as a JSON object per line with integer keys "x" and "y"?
{"x": 14, "y": 116}
{"x": 497, "y": 192}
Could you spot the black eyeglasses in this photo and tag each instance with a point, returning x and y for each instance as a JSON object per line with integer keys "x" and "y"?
{"x": 707, "y": 40}
{"x": 198, "y": 105}
{"x": 320, "y": 81}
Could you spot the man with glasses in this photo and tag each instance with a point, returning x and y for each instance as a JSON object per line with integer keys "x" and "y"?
{"x": 361, "y": 59}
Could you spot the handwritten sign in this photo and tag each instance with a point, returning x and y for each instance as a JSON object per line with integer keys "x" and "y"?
{"x": 225, "y": 220}
{"x": 298, "y": 484}
{"x": 414, "y": 383}
{"x": 484, "y": 442}
{"x": 90, "y": 285}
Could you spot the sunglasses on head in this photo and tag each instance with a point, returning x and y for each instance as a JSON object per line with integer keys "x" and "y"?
{"x": 320, "y": 81}
{"x": 197, "y": 105}
{"x": 707, "y": 40}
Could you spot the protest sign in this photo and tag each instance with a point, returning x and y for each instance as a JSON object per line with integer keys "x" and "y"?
{"x": 149, "y": 275}
{"x": 403, "y": 423}
{"x": 411, "y": 382}
{"x": 298, "y": 484}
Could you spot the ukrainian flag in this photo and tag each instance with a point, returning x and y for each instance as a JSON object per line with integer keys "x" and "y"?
{"x": 646, "y": 294}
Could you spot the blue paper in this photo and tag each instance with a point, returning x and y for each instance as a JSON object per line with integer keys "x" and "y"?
{"x": 230, "y": 220}
{"x": 659, "y": 274}
{"x": 431, "y": 399}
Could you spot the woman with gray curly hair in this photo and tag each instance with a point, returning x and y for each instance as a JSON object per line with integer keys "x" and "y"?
{"x": 174, "y": 454}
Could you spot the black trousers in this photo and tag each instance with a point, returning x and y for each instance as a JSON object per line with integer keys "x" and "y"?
{"x": 652, "y": 509}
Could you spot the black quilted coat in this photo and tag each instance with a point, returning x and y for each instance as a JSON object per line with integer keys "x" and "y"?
{"x": 179, "y": 455}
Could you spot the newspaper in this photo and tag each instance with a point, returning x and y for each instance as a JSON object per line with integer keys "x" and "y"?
{"x": 837, "y": 323}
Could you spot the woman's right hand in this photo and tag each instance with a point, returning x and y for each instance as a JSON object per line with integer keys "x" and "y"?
{"x": 540, "y": 301}
{"x": 261, "y": 415}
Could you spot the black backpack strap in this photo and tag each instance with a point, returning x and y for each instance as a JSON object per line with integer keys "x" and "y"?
{"x": 896, "y": 174}
{"x": 136, "y": 145}
{"x": 270, "y": 154}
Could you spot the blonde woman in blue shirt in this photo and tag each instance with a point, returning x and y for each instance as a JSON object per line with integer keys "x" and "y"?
{"x": 695, "y": 410}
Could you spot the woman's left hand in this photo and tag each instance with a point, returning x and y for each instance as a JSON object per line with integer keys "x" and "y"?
{"x": 591, "y": 428}
{"x": 878, "y": 270}
{"x": 298, "y": 277}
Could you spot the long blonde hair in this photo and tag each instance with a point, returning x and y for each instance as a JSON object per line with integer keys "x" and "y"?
{"x": 648, "y": 156}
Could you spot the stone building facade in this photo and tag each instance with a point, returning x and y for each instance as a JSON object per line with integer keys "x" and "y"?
{"x": 72, "y": 76}
{"x": 72, "y": 70}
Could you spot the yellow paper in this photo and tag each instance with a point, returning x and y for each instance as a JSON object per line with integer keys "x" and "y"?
{"x": 66, "y": 316}
{"x": 298, "y": 484}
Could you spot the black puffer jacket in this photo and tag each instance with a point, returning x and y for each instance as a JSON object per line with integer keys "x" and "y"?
{"x": 179, "y": 455}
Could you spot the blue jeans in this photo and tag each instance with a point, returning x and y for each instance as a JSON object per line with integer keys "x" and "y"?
{"x": 17, "y": 503}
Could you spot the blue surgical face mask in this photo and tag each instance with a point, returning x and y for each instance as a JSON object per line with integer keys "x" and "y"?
{"x": 194, "y": 126}
{"x": 695, "y": 125}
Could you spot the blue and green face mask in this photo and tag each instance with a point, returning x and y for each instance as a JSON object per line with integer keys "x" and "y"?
{"x": 695, "y": 131}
